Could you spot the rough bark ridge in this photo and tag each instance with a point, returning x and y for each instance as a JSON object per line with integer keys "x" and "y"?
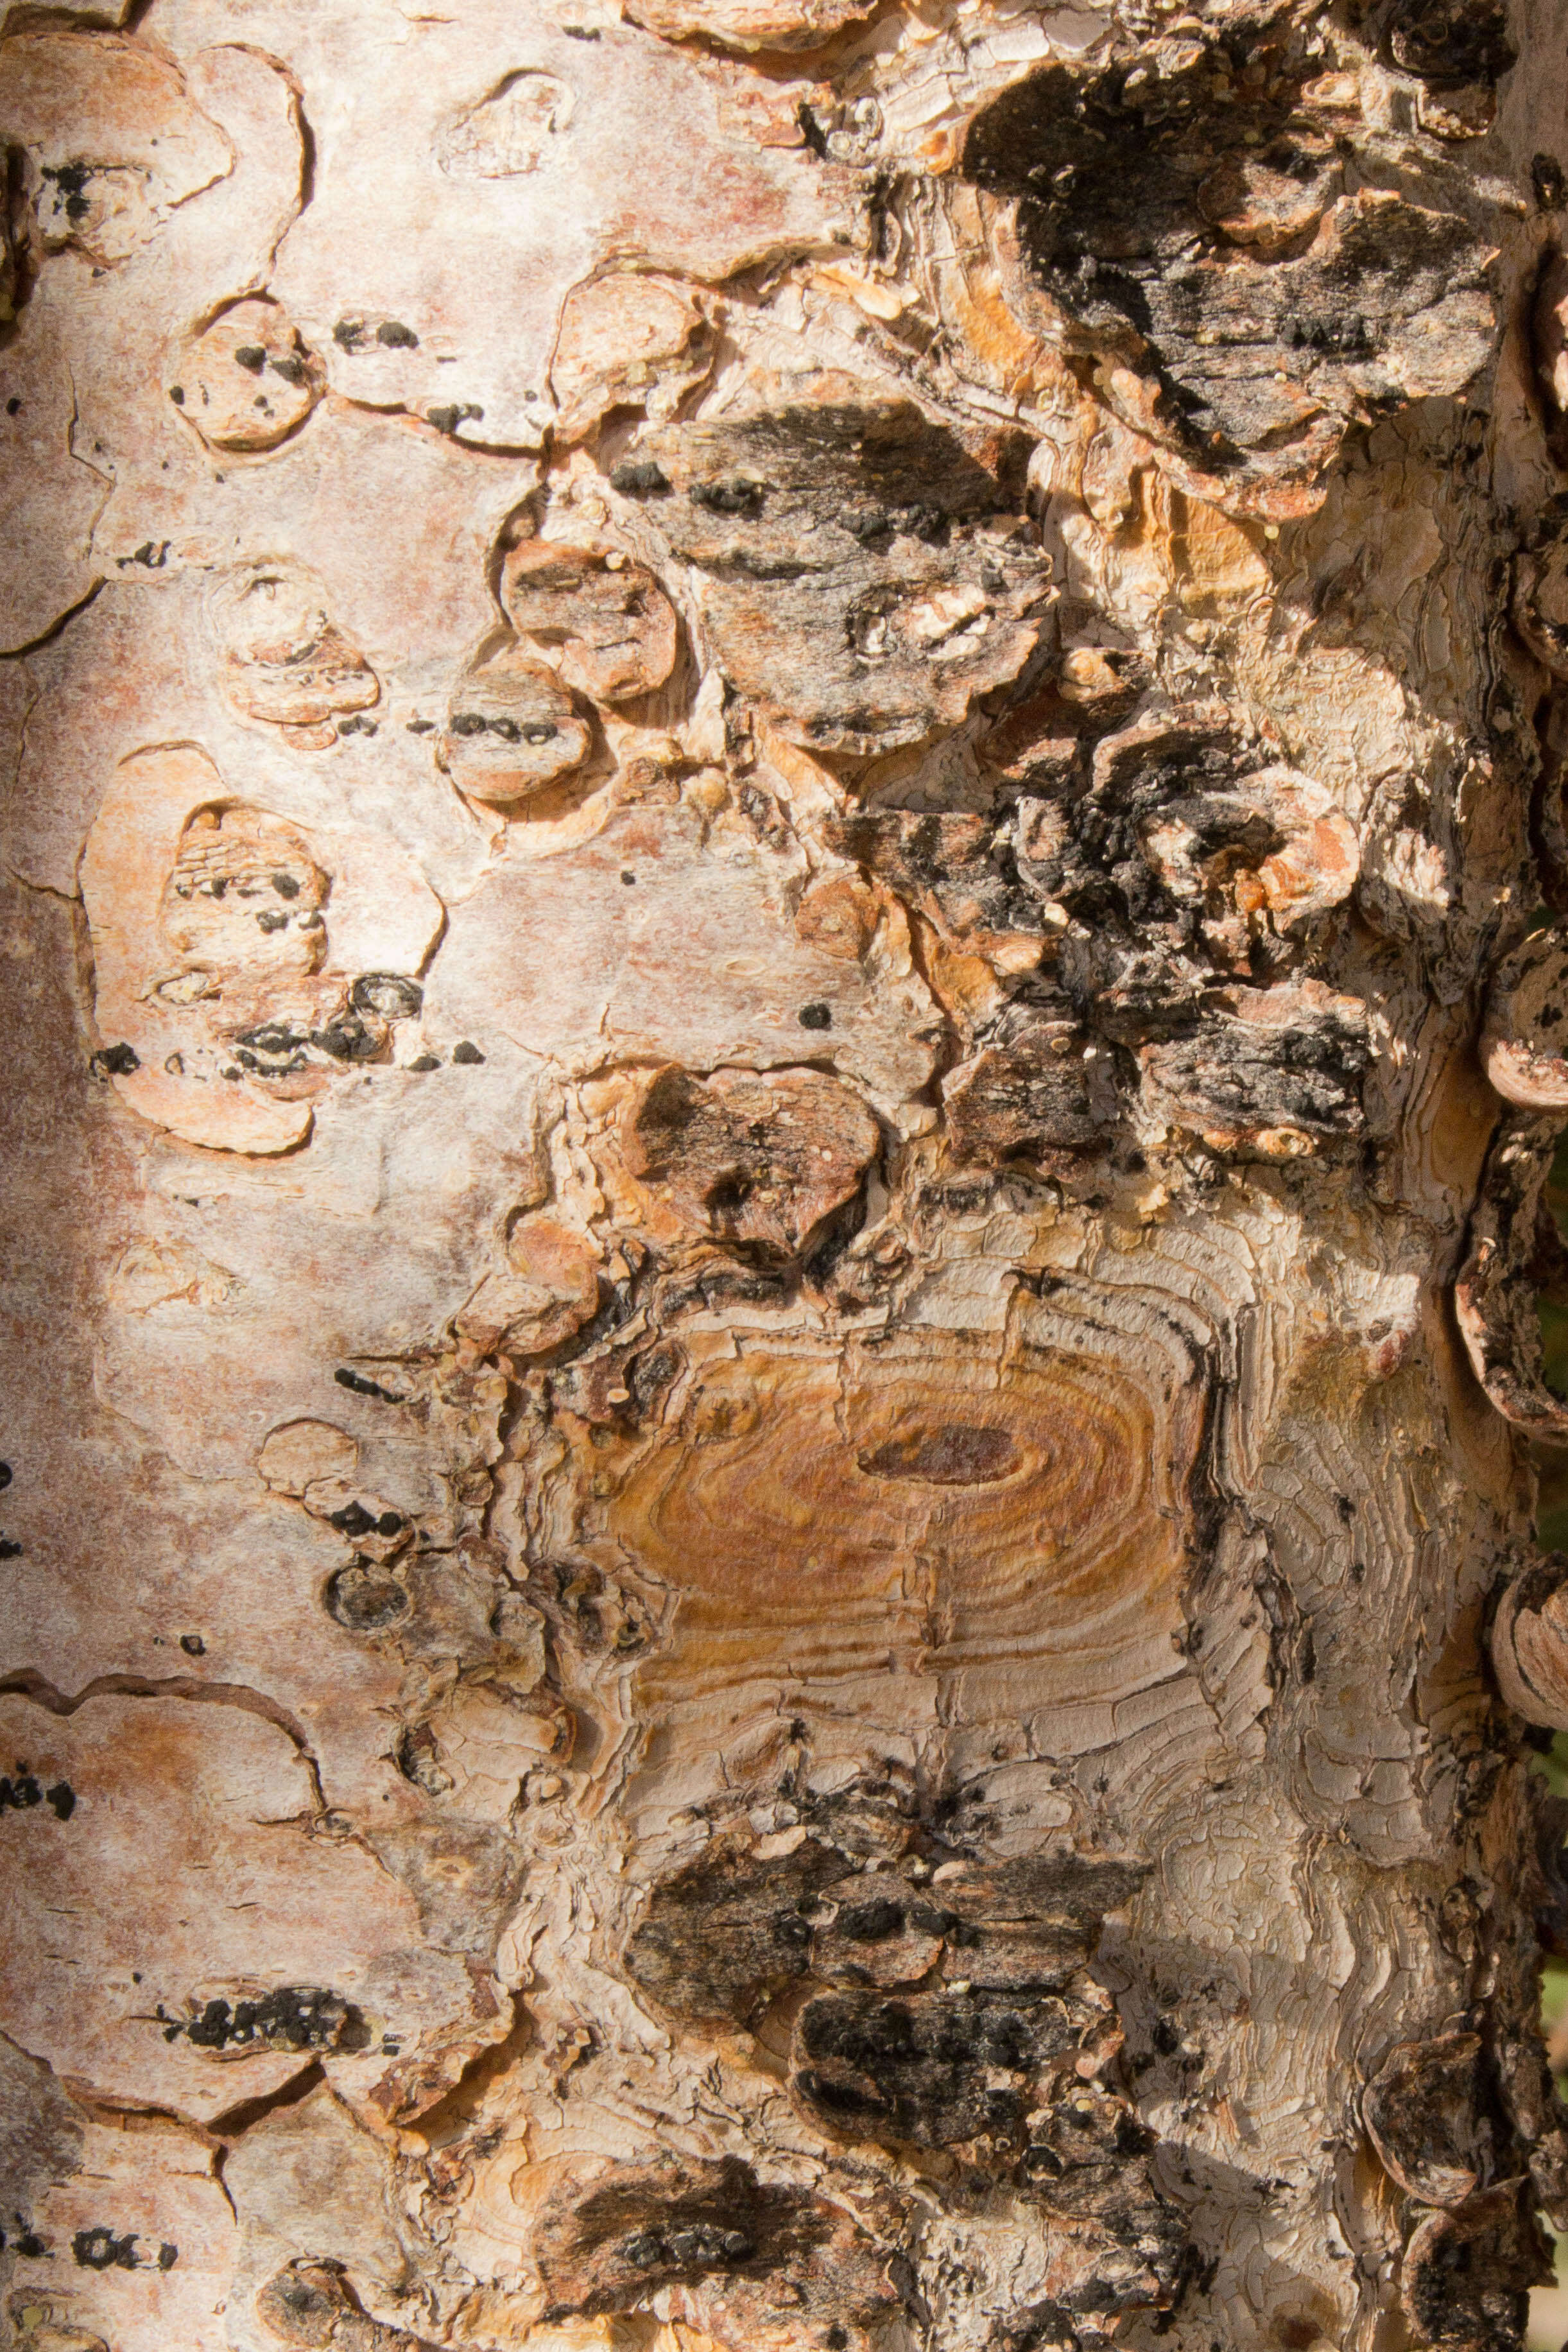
{"x": 785, "y": 780}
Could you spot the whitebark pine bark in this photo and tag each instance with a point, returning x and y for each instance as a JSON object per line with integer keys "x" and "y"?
{"x": 785, "y": 785}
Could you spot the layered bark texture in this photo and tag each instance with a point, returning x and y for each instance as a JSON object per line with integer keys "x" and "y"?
{"x": 784, "y": 787}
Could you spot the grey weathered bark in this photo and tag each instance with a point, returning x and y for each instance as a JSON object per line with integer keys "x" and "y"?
{"x": 787, "y": 779}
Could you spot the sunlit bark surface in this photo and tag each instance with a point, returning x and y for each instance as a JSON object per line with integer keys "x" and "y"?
{"x": 784, "y": 787}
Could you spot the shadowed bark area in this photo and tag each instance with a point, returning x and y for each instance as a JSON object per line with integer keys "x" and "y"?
{"x": 787, "y": 980}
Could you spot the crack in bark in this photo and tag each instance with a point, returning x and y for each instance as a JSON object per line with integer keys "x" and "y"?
{"x": 27, "y": 1682}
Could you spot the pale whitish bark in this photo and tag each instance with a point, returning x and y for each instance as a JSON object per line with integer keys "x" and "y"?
{"x": 776, "y": 1110}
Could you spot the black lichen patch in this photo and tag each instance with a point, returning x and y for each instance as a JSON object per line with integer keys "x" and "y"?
{"x": 872, "y": 1922}
{"x": 932, "y": 2069}
{"x": 99, "y": 2249}
{"x": 275, "y": 1049}
{"x": 1201, "y": 227}
{"x": 1549, "y": 182}
{"x": 960, "y": 870}
{"x": 1466, "y": 2275}
{"x": 682, "y": 2245}
{"x": 466, "y": 1053}
{"x": 294, "y": 2017}
{"x": 116, "y": 1061}
{"x": 70, "y": 182}
{"x": 349, "y": 1038}
{"x": 995, "y": 2077}
{"x": 1171, "y": 951}
{"x": 1044, "y": 2326}
{"x": 1447, "y": 44}
{"x": 865, "y": 572}
{"x": 1430, "y": 2114}
{"x": 1239, "y": 1077}
{"x": 751, "y": 2246}
{"x": 359, "y": 1385}
{"x": 1138, "y": 857}
{"x": 1034, "y": 1088}
{"x": 354, "y": 1520}
{"x": 475, "y": 722}
{"x": 736, "y": 497}
{"x": 727, "y": 1935}
{"x": 639, "y": 477}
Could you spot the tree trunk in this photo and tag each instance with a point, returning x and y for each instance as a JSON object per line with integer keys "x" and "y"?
{"x": 786, "y": 781}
